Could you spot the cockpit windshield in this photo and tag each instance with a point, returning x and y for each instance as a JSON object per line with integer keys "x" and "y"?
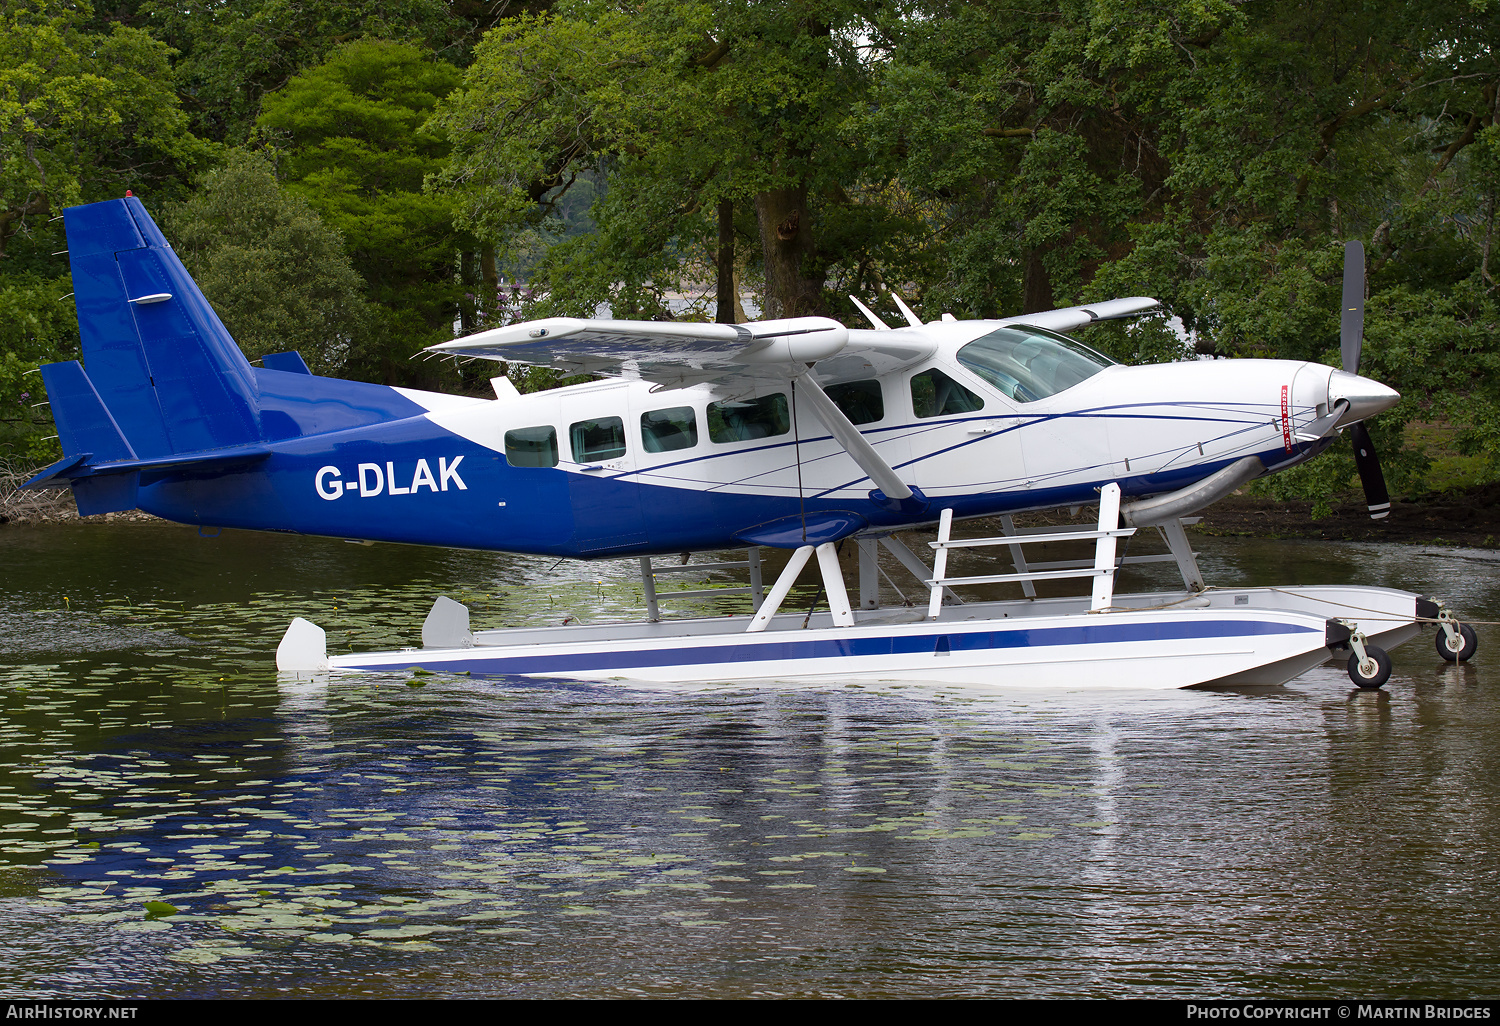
{"x": 1028, "y": 364}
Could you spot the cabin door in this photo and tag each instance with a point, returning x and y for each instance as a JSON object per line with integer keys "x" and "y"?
{"x": 597, "y": 456}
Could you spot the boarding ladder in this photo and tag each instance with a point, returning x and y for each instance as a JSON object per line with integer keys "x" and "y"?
{"x": 1102, "y": 568}
{"x": 650, "y": 571}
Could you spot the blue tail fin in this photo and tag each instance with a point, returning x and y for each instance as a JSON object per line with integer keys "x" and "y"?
{"x": 159, "y": 360}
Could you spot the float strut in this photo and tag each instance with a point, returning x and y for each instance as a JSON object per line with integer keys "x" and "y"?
{"x": 779, "y": 590}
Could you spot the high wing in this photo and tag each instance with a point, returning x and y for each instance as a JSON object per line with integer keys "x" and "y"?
{"x": 677, "y": 354}
{"x": 1070, "y": 317}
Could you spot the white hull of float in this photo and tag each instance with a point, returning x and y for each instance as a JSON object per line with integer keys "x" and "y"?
{"x": 1163, "y": 640}
{"x": 1260, "y": 636}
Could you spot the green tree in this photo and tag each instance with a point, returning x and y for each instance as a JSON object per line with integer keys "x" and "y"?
{"x": 85, "y": 113}
{"x": 711, "y": 120}
{"x": 1215, "y": 155}
{"x": 232, "y": 55}
{"x": 82, "y": 115}
{"x": 275, "y": 273}
{"x": 37, "y": 326}
{"x": 352, "y": 141}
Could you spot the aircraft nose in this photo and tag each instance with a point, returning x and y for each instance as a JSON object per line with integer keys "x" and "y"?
{"x": 1364, "y": 396}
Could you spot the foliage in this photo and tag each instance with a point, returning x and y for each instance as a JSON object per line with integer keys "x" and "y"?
{"x": 681, "y": 105}
{"x": 233, "y": 55}
{"x": 352, "y": 142}
{"x": 1217, "y": 155}
{"x": 37, "y": 325}
{"x": 82, "y": 114}
{"x": 276, "y": 275}
{"x": 980, "y": 157}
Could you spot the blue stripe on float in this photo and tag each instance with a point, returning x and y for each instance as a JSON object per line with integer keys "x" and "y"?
{"x": 827, "y": 648}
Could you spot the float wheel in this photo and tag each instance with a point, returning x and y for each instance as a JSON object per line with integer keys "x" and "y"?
{"x": 1373, "y": 672}
{"x": 1468, "y": 644}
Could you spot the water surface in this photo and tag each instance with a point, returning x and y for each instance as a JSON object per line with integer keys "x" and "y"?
{"x": 395, "y": 835}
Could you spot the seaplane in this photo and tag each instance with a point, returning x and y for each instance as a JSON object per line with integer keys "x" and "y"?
{"x": 800, "y": 434}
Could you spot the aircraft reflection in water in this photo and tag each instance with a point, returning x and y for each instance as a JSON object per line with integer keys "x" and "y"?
{"x": 797, "y": 433}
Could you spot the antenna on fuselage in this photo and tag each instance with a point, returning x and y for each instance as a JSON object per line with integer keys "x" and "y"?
{"x": 870, "y": 315}
{"x": 911, "y": 318}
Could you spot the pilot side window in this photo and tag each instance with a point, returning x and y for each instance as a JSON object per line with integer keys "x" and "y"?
{"x": 741, "y": 420}
{"x": 935, "y": 394}
{"x": 531, "y": 447}
{"x": 860, "y": 401}
{"x": 597, "y": 440}
{"x": 669, "y": 430}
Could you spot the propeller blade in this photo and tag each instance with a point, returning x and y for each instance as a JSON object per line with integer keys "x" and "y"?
{"x": 1378, "y": 499}
{"x": 1352, "y": 313}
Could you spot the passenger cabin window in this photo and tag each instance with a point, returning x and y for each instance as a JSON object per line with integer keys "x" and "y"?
{"x": 935, "y": 394}
{"x": 531, "y": 447}
{"x": 669, "y": 430}
{"x": 597, "y": 440}
{"x": 1028, "y": 364}
{"x": 742, "y": 420}
{"x": 860, "y": 401}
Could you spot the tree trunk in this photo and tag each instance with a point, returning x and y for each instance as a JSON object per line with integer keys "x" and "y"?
{"x": 1036, "y": 285}
{"x": 467, "y": 305}
{"x": 740, "y": 316}
{"x": 489, "y": 293}
{"x": 787, "y": 246}
{"x": 724, "y": 265}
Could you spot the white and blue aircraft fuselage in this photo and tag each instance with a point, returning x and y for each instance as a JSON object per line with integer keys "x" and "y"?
{"x": 700, "y": 436}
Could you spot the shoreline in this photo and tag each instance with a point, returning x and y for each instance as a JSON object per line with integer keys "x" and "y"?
{"x": 55, "y": 506}
{"x": 1468, "y": 519}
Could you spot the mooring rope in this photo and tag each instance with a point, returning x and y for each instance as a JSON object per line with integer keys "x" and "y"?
{"x": 1379, "y": 614}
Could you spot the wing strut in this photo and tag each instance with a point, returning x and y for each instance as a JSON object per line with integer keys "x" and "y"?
{"x": 846, "y": 434}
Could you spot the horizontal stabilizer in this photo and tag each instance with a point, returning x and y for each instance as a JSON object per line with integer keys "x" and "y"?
{"x": 291, "y": 362}
{"x": 83, "y": 466}
{"x": 55, "y": 475}
{"x": 94, "y": 493}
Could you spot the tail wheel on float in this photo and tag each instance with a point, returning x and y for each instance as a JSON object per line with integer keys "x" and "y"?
{"x": 1371, "y": 672}
{"x": 1458, "y": 649}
